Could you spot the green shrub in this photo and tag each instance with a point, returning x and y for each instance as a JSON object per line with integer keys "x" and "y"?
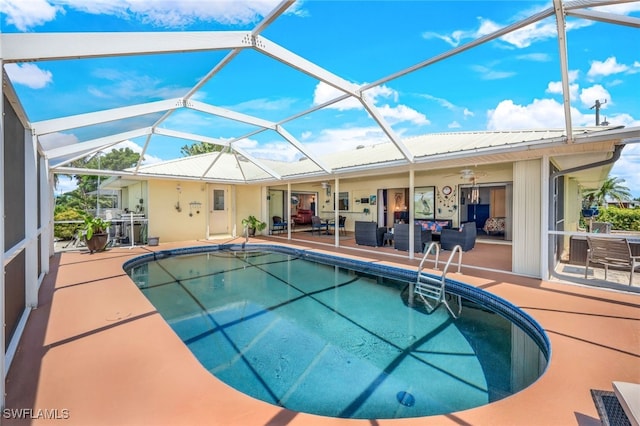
{"x": 621, "y": 219}
{"x": 66, "y": 231}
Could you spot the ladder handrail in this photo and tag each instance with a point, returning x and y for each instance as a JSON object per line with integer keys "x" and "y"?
{"x": 427, "y": 252}
{"x": 457, "y": 248}
{"x": 440, "y": 293}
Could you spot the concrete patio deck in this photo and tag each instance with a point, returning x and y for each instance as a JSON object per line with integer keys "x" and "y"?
{"x": 96, "y": 351}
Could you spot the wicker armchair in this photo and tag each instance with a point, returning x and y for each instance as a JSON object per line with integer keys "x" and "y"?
{"x": 465, "y": 237}
{"x": 421, "y": 237}
{"x": 369, "y": 234}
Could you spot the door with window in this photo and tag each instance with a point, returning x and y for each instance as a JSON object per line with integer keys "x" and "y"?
{"x": 219, "y": 211}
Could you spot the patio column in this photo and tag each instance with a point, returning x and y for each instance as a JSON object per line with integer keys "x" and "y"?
{"x": 31, "y": 220}
{"x": 46, "y": 197}
{"x": 288, "y": 213}
{"x": 548, "y": 202}
{"x": 336, "y": 229}
{"x": 412, "y": 179}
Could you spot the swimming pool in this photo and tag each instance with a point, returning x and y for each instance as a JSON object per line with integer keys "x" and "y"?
{"x": 337, "y": 337}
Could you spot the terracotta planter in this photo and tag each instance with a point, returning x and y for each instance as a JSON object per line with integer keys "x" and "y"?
{"x": 97, "y": 242}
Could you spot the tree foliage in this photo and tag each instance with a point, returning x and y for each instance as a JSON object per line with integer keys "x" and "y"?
{"x": 83, "y": 197}
{"x": 612, "y": 188}
{"x": 199, "y": 148}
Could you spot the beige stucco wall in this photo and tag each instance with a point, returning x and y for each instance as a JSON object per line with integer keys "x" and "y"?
{"x": 250, "y": 200}
{"x": 169, "y": 224}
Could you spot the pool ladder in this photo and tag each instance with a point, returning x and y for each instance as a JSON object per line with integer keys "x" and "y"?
{"x": 433, "y": 287}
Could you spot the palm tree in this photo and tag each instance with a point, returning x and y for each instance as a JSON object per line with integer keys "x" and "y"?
{"x": 611, "y": 189}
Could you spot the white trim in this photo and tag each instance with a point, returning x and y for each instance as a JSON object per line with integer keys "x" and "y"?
{"x": 12, "y": 348}
{"x": 545, "y": 197}
{"x": 3, "y": 364}
{"x": 29, "y": 47}
{"x": 31, "y": 221}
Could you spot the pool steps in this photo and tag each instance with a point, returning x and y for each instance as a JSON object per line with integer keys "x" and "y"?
{"x": 434, "y": 287}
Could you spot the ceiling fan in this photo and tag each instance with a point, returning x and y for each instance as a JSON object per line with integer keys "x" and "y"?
{"x": 468, "y": 174}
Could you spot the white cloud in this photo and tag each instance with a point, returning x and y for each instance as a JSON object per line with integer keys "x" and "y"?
{"x": 468, "y": 113}
{"x": 65, "y": 184}
{"x": 57, "y": 140}
{"x": 29, "y": 75}
{"x": 442, "y": 102}
{"x": 490, "y": 74}
{"x": 394, "y": 114}
{"x": 336, "y": 140}
{"x": 627, "y": 168}
{"x": 128, "y": 85}
{"x": 535, "y": 57}
{"x": 148, "y": 159}
{"x": 454, "y": 125}
{"x": 402, "y": 113}
{"x": 608, "y": 67}
{"x": 555, "y": 87}
{"x": 541, "y": 113}
{"x": 180, "y": 13}
{"x": 456, "y": 37}
{"x": 26, "y": 14}
{"x": 620, "y": 9}
{"x": 524, "y": 37}
{"x": 589, "y": 95}
{"x": 324, "y": 93}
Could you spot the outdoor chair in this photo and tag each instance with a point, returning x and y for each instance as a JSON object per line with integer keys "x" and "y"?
{"x": 341, "y": 222}
{"x": 318, "y": 224}
{"x": 421, "y": 237}
{"x": 278, "y": 224}
{"x": 614, "y": 252}
{"x": 465, "y": 237}
{"x": 369, "y": 234}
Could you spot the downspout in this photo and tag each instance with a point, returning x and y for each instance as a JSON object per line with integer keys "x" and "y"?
{"x": 552, "y": 206}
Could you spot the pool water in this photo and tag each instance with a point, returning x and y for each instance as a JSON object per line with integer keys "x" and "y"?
{"x": 326, "y": 340}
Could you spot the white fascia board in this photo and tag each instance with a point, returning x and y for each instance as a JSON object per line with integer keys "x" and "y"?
{"x": 232, "y": 115}
{"x": 81, "y": 120}
{"x": 373, "y": 111}
{"x": 96, "y": 143}
{"x": 287, "y": 57}
{"x": 293, "y": 141}
{"x": 189, "y": 136}
{"x": 257, "y": 162}
{"x": 609, "y": 18}
{"x": 29, "y": 47}
{"x": 627, "y": 135}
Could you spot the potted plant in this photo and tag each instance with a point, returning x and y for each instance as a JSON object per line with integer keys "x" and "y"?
{"x": 252, "y": 224}
{"x": 96, "y": 233}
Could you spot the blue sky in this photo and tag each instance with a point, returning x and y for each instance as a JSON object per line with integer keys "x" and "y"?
{"x": 509, "y": 83}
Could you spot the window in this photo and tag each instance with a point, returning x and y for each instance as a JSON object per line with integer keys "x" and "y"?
{"x": 343, "y": 201}
{"x": 218, "y": 199}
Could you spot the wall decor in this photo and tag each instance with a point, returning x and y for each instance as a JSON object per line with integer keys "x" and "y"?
{"x": 424, "y": 202}
{"x": 447, "y": 201}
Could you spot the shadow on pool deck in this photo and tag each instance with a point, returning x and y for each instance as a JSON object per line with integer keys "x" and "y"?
{"x": 97, "y": 348}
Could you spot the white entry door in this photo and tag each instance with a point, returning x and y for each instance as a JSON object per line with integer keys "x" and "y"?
{"x": 219, "y": 211}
